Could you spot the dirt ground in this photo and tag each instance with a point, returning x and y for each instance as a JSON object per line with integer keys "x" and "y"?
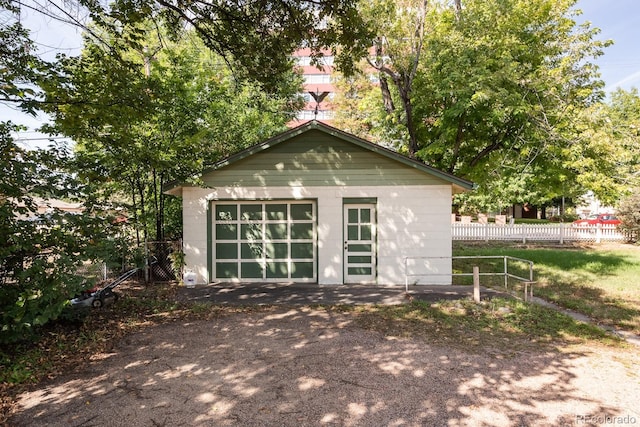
{"x": 311, "y": 366}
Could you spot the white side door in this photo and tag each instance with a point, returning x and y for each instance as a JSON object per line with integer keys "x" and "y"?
{"x": 359, "y": 243}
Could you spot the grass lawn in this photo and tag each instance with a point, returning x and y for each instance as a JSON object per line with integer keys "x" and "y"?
{"x": 601, "y": 281}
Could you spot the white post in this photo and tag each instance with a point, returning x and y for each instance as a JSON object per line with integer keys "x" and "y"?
{"x": 476, "y": 284}
{"x": 506, "y": 276}
{"x": 406, "y": 278}
{"x": 562, "y": 233}
{"x": 598, "y": 233}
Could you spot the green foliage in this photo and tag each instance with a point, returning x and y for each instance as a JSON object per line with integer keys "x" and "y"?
{"x": 19, "y": 67}
{"x": 41, "y": 253}
{"x": 178, "y": 262}
{"x": 505, "y": 94}
{"x": 501, "y": 85}
{"x": 255, "y": 38}
{"x": 143, "y": 119}
{"x": 606, "y": 157}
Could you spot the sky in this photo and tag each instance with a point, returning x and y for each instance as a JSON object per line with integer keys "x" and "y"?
{"x": 619, "y": 20}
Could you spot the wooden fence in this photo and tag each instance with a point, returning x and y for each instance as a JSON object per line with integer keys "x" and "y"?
{"x": 537, "y": 232}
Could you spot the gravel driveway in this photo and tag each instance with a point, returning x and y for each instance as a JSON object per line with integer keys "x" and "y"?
{"x": 307, "y": 367}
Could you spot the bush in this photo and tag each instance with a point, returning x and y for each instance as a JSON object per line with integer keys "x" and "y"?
{"x": 566, "y": 217}
{"x": 40, "y": 255}
{"x": 628, "y": 213}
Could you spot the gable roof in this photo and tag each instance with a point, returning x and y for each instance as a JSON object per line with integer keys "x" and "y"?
{"x": 458, "y": 183}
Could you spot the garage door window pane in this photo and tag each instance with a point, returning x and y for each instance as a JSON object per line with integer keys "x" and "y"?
{"x": 251, "y": 250}
{"x": 226, "y": 270}
{"x": 301, "y": 212}
{"x": 226, "y": 250}
{"x": 365, "y": 215}
{"x": 276, "y": 231}
{"x": 302, "y": 231}
{"x": 251, "y": 232}
{"x": 302, "y": 270}
{"x": 251, "y": 270}
{"x": 276, "y": 212}
{"x": 226, "y": 232}
{"x": 302, "y": 250}
{"x": 277, "y": 250}
{"x": 277, "y": 270}
{"x": 226, "y": 212}
{"x": 251, "y": 212}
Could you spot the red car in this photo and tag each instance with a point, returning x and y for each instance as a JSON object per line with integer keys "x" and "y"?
{"x": 607, "y": 219}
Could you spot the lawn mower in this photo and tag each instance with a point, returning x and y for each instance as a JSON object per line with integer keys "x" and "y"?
{"x": 100, "y": 296}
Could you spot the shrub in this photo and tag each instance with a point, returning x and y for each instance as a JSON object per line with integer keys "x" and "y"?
{"x": 629, "y": 214}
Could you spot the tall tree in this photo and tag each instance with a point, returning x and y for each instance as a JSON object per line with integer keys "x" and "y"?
{"x": 498, "y": 90}
{"x": 400, "y": 27}
{"x": 40, "y": 254}
{"x": 606, "y": 158}
{"x": 502, "y": 81}
{"x": 157, "y": 114}
{"x": 255, "y": 38}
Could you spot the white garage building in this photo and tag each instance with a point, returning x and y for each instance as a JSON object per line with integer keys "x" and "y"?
{"x": 318, "y": 205}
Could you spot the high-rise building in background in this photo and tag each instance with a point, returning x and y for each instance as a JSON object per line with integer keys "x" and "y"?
{"x": 318, "y": 87}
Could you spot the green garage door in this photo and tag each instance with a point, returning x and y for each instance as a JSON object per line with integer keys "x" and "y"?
{"x": 264, "y": 241}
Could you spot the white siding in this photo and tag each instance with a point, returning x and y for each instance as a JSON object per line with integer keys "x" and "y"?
{"x": 194, "y": 218}
{"x": 412, "y": 221}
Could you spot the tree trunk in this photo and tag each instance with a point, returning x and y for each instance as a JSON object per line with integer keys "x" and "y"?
{"x": 411, "y": 129}
{"x": 143, "y": 211}
{"x": 403, "y": 77}
{"x": 387, "y": 100}
{"x": 135, "y": 210}
{"x": 156, "y": 206}
{"x": 457, "y": 145}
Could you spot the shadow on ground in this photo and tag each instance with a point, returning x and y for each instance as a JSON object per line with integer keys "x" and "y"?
{"x": 292, "y": 366}
{"x": 305, "y": 294}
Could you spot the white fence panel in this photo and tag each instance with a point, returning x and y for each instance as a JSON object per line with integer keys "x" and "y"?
{"x": 536, "y": 232}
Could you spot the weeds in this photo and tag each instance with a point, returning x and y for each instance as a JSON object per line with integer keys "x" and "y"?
{"x": 498, "y": 324}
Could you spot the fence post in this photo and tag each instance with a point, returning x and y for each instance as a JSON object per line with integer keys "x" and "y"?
{"x": 146, "y": 261}
{"x": 562, "y": 233}
{"x": 476, "y": 284}
{"x": 598, "y": 233}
